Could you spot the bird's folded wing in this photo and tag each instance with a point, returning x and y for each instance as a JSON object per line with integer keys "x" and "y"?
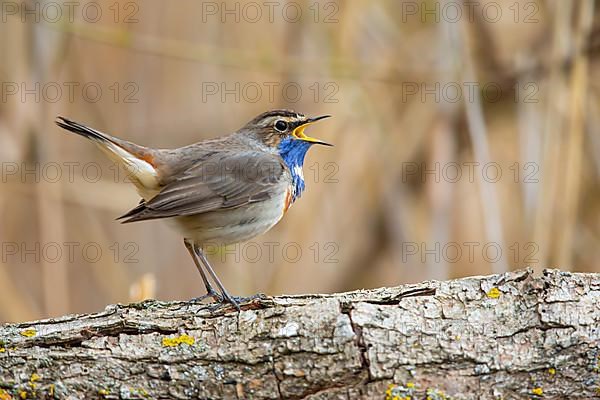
{"x": 223, "y": 180}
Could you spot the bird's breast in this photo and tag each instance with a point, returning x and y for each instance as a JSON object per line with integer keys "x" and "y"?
{"x": 237, "y": 224}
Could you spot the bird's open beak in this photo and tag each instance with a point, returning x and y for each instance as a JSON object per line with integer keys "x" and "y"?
{"x": 299, "y": 131}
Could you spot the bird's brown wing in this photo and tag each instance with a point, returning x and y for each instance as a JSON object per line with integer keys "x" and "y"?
{"x": 224, "y": 180}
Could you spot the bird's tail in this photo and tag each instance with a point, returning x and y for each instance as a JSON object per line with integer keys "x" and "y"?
{"x": 138, "y": 161}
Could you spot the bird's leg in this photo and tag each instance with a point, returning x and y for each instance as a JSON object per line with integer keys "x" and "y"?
{"x": 226, "y": 296}
{"x": 210, "y": 292}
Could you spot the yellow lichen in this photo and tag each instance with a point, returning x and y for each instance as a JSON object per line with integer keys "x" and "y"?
{"x": 136, "y": 392}
{"x": 103, "y": 392}
{"x": 23, "y": 394}
{"x": 32, "y": 379}
{"x": 2, "y": 349}
{"x": 551, "y": 371}
{"x": 28, "y": 332}
{"x": 396, "y": 392}
{"x": 176, "y": 341}
{"x": 435, "y": 394}
{"x": 494, "y": 293}
{"x": 537, "y": 391}
{"x": 388, "y": 392}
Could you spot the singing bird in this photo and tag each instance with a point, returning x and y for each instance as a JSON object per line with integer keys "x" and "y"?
{"x": 218, "y": 191}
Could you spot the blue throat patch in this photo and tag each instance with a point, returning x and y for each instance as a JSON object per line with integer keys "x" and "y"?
{"x": 293, "y": 151}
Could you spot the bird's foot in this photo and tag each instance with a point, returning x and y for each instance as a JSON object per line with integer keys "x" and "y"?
{"x": 219, "y": 300}
{"x": 211, "y": 294}
{"x": 227, "y": 298}
{"x": 238, "y": 301}
{"x": 259, "y": 296}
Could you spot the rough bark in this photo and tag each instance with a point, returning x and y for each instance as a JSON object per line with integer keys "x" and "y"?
{"x": 502, "y": 336}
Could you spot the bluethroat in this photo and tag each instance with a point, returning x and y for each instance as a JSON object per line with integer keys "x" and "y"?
{"x": 218, "y": 191}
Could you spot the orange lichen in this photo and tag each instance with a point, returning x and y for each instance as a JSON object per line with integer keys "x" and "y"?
{"x": 4, "y": 395}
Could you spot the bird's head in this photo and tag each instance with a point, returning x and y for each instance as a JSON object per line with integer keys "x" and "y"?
{"x": 283, "y": 130}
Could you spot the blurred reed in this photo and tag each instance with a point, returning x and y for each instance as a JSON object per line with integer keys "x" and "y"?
{"x": 363, "y": 212}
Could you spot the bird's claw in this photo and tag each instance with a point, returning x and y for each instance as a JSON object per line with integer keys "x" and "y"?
{"x": 248, "y": 299}
{"x": 217, "y": 298}
{"x": 222, "y": 300}
{"x": 227, "y": 298}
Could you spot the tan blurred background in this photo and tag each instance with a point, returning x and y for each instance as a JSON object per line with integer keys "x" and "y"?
{"x": 431, "y": 102}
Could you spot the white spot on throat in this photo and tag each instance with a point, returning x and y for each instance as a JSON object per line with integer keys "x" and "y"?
{"x": 298, "y": 171}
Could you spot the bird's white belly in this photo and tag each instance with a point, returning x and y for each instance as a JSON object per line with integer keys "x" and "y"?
{"x": 233, "y": 225}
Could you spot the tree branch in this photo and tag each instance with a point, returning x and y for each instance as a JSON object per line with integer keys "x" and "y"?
{"x": 502, "y": 336}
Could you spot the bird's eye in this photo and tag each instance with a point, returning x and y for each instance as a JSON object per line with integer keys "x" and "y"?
{"x": 281, "y": 125}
